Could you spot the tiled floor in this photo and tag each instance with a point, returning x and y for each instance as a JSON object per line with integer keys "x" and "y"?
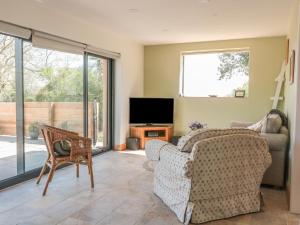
{"x": 122, "y": 196}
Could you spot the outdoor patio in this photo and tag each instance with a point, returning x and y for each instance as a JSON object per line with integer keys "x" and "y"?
{"x": 35, "y": 155}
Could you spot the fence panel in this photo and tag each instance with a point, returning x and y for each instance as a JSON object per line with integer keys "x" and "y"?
{"x": 68, "y": 115}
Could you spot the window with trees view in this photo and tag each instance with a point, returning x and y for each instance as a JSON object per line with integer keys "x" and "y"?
{"x": 47, "y": 86}
{"x": 215, "y": 74}
{"x": 8, "y": 141}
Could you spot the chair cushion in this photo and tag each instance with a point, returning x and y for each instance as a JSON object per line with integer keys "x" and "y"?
{"x": 62, "y": 148}
{"x": 186, "y": 142}
{"x": 272, "y": 124}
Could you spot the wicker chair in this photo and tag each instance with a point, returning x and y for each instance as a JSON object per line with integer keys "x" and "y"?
{"x": 80, "y": 152}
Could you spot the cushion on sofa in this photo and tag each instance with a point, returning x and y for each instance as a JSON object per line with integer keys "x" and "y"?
{"x": 272, "y": 124}
{"x": 186, "y": 142}
{"x": 258, "y": 126}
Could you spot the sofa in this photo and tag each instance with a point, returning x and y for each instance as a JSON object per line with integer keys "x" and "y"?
{"x": 211, "y": 174}
{"x": 278, "y": 146}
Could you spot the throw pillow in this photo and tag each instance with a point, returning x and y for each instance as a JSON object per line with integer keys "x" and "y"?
{"x": 258, "y": 126}
{"x": 272, "y": 124}
{"x": 62, "y": 148}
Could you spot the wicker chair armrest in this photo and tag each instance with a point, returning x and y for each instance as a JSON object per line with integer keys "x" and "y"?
{"x": 58, "y": 130}
{"x": 80, "y": 144}
{"x": 87, "y": 142}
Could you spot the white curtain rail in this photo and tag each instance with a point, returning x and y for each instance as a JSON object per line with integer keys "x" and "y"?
{"x": 13, "y": 30}
{"x": 45, "y": 40}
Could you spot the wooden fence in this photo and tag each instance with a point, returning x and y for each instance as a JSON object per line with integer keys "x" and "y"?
{"x": 51, "y": 113}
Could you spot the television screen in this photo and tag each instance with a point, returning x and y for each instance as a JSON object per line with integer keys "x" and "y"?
{"x": 151, "y": 110}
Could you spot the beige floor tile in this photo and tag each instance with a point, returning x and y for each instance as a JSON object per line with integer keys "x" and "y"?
{"x": 73, "y": 221}
{"x": 122, "y": 196}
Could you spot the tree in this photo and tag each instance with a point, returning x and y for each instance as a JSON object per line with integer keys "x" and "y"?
{"x": 233, "y": 64}
{"x": 7, "y": 69}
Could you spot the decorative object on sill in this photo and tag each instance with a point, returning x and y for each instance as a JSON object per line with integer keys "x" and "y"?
{"x": 287, "y": 51}
{"x": 213, "y": 96}
{"x": 292, "y": 67}
{"x": 239, "y": 93}
{"x": 196, "y": 125}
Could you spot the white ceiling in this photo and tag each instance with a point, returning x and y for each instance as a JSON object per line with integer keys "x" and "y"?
{"x": 175, "y": 21}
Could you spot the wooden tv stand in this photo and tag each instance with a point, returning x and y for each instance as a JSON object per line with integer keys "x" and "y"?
{"x": 146, "y": 133}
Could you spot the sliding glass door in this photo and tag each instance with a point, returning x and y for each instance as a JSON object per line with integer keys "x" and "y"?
{"x": 8, "y": 140}
{"x": 53, "y": 95}
{"x": 97, "y": 100}
{"x": 44, "y": 85}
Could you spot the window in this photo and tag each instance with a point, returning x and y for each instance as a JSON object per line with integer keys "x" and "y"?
{"x": 214, "y": 74}
{"x": 8, "y": 140}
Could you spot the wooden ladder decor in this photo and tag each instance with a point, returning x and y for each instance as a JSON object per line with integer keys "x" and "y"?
{"x": 280, "y": 80}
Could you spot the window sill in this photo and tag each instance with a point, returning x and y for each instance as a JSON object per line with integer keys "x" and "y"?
{"x": 214, "y": 97}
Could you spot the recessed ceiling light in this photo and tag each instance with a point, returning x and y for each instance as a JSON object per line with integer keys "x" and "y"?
{"x": 39, "y": 1}
{"x": 133, "y": 10}
{"x": 165, "y": 30}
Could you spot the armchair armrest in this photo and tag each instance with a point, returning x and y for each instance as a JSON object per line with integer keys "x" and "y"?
{"x": 174, "y": 160}
{"x": 153, "y": 147}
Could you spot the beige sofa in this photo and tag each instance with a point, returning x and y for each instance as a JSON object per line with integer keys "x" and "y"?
{"x": 218, "y": 176}
{"x": 278, "y": 146}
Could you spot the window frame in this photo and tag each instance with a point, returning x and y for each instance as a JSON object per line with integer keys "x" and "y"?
{"x": 210, "y": 51}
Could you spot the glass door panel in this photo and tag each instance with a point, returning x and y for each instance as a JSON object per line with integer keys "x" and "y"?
{"x": 53, "y": 95}
{"x": 42, "y": 86}
{"x": 97, "y": 100}
{"x": 8, "y": 141}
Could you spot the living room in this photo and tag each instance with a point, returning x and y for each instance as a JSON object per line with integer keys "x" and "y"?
{"x": 134, "y": 90}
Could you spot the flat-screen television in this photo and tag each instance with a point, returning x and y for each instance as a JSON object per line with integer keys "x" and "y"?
{"x": 151, "y": 110}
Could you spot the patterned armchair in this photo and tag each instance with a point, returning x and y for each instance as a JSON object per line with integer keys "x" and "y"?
{"x": 210, "y": 174}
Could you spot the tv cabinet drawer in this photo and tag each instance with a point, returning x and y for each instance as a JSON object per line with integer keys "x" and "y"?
{"x": 154, "y": 133}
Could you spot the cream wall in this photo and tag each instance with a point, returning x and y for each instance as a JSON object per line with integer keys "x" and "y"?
{"x": 129, "y": 68}
{"x": 292, "y": 109}
{"x": 162, "y": 71}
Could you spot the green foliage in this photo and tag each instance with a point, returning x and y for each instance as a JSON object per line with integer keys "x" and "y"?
{"x": 65, "y": 86}
{"x": 7, "y": 69}
{"x": 49, "y": 76}
{"x": 233, "y": 64}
